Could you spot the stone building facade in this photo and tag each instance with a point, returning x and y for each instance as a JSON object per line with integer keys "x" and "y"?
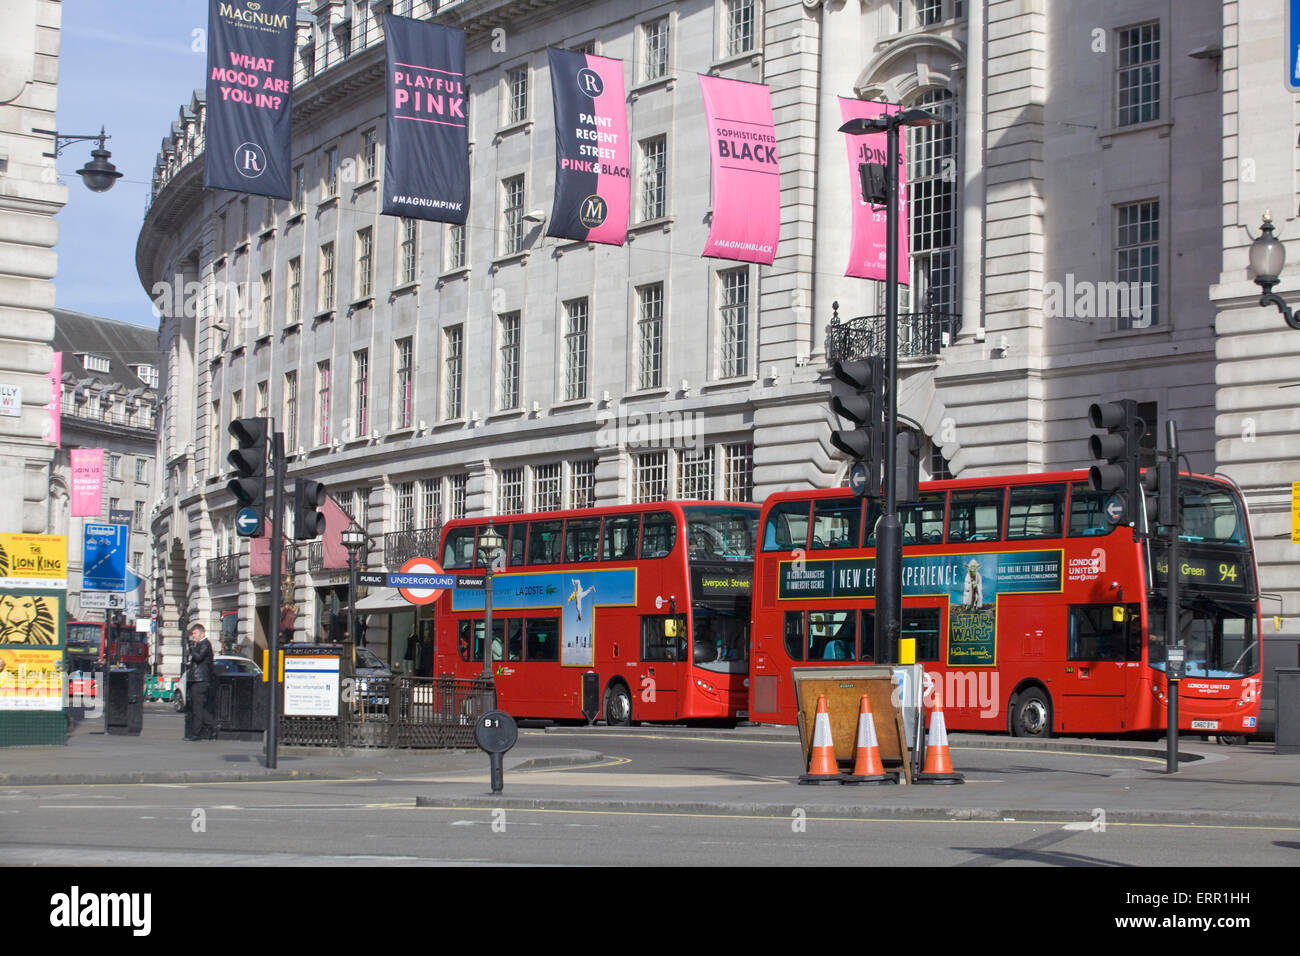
{"x": 1064, "y": 228}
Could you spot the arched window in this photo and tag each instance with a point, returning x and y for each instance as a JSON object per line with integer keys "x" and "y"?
{"x": 932, "y": 172}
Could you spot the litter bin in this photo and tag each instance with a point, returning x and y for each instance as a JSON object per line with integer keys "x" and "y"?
{"x": 241, "y": 703}
{"x": 1286, "y": 735}
{"x": 124, "y": 701}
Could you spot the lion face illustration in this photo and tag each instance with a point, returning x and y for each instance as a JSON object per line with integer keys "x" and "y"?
{"x": 25, "y": 619}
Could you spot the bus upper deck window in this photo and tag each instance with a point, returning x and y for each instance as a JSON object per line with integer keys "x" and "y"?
{"x": 787, "y": 526}
{"x": 1087, "y": 511}
{"x": 1036, "y": 511}
{"x": 975, "y": 515}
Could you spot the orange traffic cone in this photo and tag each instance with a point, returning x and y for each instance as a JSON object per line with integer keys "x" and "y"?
{"x": 822, "y": 767}
{"x": 867, "y": 767}
{"x": 938, "y": 763}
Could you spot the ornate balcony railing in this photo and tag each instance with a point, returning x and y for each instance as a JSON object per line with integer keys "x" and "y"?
{"x": 223, "y": 570}
{"x": 402, "y": 546}
{"x": 316, "y": 558}
{"x": 919, "y": 334}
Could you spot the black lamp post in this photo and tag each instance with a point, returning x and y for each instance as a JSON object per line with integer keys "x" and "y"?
{"x": 98, "y": 174}
{"x": 889, "y": 531}
{"x": 1267, "y": 257}
{"x": 490, "y": 543}
{"x": 354, "y": 539}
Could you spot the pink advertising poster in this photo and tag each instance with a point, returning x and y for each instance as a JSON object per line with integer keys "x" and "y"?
{"x": 867, "y": 250}
{"x": 55, "y": 407}
{"x": 746, "y": 177}
{"x": 87, "y": 482}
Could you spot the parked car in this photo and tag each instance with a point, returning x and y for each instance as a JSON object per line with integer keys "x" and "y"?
{"x": 224, "y": 664}
{"x": 372, "y": 679}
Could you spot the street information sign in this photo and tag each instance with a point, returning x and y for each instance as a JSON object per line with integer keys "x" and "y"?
{"x": 104, "y": 557}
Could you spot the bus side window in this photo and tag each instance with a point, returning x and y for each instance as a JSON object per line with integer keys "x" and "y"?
{"x": 1095, "y": 635}
{"x": 656, "y": 644}
{"x": 923, "y": 521}
{"x": 658, "y": 535}
{"x": 975, "y": 515}
{"x": 1036, "y": 511}
{"x": 581, "y": 539}
{"x": 787, "y": 526}
{"x": 515, "y": 551}
{"x": 794, "y": 635}
{"x": 544, "y": 539}
{"x": 1087, "y": 514}
{"x": 459, "y": 549}
{"x": 541, "y": 642}
{"x": 836, "y": 523}
{"x": 620, "y": 538}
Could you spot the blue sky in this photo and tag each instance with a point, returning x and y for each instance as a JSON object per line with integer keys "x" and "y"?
{"x": 126, "y": 65}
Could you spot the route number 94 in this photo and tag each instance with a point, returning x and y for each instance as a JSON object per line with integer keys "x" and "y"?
{"x": 1228, "y": 572}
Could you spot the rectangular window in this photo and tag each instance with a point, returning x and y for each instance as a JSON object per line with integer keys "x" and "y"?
{"x": 928, "y": 12}
{"x": 293, "y": 314}
{"x": 431, "y": 512}
{"x": 299, "y": 187}
{"x": 330, "y": 177}
{"x": 650, "y": 341}
{"x": 1137, "y": 265}
{"x": 733, "y": 306}
{"x": 575, "y": 350}
{"x": 361, "y": 392}
{"x": 508, "y": 361}
{"x": 650, "y": 481}
{"x": 290, "y": 409}
{"x": 516, "y": 93}
{"x": 323, "y": 402}
{"x": 544, "y": 542}
{"x": 654, "y": 178}
{"x": 263, "y": 398}
{"x": 455, "y": 256}
{"x": 403, "y": 383}
{"x": 115, "y": 466}
{"x": 404, "y": 516}
{"x": 1137, "y": 80}
{"x": 1088, "y": 511}
{"x": 243, "y": 219}
{"x": 542, "y": 639}
{"x": 738, "y": 477}
{"x": 264, "y": 316}
{"x": 459, "y": 483}
{"x": 410, "y": 249}
{"x": 581, "y": 539}
{"x": 546, "y": 488}
{"x": 975, "y": 515}
{"x": 654, "y": 49}
{"x": 365, "y": 272}
{"x": 695, "y": 475}
{"x": 1095, "y": 635}
{"x": 1036, "y": 511}
{"x": 325, "y": 295}
{"x": 453, "y": 357}
{"x": 137, "y": 516}
{"x": 141, "y": 469}
{"x": 214, "y": 437}
{"x": 369, "y": 153}
{"x": 740, "y": 27}
{"x": 510, "y": 491}
{"x": 922, "y": 521}
{"x": 512, "y": 215}
{"x": 582, "y": 484}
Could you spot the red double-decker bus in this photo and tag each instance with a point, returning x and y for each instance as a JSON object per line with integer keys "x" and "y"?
{"x": 653, "y": 598}
{"x": 1031, "y": 612}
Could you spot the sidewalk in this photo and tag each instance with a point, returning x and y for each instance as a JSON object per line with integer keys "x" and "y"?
{"x": 1071, "y": 781}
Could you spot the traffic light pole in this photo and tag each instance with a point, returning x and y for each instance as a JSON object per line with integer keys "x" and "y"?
{"x": 889, "y": 532}
{"x": 1173, "y": 668}
{"x": 277, "y": 555}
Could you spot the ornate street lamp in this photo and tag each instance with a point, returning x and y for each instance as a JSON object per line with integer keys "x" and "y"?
{"x": 1267, "y": 257}
{"x": 98, "y": 174}
{"x": 490, "y": 544}
{"x": 354, "y": 539}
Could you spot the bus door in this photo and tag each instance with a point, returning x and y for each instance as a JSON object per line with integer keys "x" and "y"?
{"x": 664, "y": 644}
{"x": 1102, "y": 667}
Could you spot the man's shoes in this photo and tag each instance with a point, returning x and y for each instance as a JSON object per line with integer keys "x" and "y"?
{"x": 192, "y": 737}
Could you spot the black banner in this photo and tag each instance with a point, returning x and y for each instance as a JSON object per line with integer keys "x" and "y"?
{"x": 426, "y": 165}
{"x": 250, "y": 81}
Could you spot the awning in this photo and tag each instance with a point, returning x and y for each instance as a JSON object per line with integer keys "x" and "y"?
{"x": 384, "y": 601}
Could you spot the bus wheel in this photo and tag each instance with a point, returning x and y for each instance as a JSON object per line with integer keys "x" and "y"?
{"x": 618, "y": 706}
{"x": 1031, "y": 713}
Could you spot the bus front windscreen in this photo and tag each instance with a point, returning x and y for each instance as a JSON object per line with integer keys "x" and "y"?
{"x": 719, "y": 533}
{"x": 1219, "y": 637}
{"x": 721, "y": 638}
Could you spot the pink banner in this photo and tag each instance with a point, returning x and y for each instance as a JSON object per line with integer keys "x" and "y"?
{"x": 87, "y": 482}
{"x": 52, "y": 431}
{"x": 867, "y": 254}
{"x": 746, "y": 178}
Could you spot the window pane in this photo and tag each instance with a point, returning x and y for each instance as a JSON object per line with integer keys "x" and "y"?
{"x": 659, "y": 534}
{"x": 1036, "y": 512}
{"x": 975, "y": 515}
{"x": 836, "y": 523}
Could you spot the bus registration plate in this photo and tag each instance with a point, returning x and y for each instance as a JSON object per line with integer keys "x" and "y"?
{"x": 1205, "y": 725}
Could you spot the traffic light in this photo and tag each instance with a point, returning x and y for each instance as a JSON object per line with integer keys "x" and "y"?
{"x": 858, "y": 397}
{"x": 308, "y": 523}
{"x": 249, "y": 462}
{"x": 1160, "y": 481}
{"x": 1119, "y": 449}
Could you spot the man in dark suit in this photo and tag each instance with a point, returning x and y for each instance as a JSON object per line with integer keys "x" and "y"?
{"x": 203, "y": 724}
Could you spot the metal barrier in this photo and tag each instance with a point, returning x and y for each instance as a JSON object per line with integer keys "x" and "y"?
{"x": 417, "y": 712}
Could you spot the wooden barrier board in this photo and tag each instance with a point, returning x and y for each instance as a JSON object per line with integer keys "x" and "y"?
{"x": 844, "y": 687}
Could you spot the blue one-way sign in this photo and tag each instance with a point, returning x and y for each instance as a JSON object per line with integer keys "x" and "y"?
{"x": 248, "y": 523}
